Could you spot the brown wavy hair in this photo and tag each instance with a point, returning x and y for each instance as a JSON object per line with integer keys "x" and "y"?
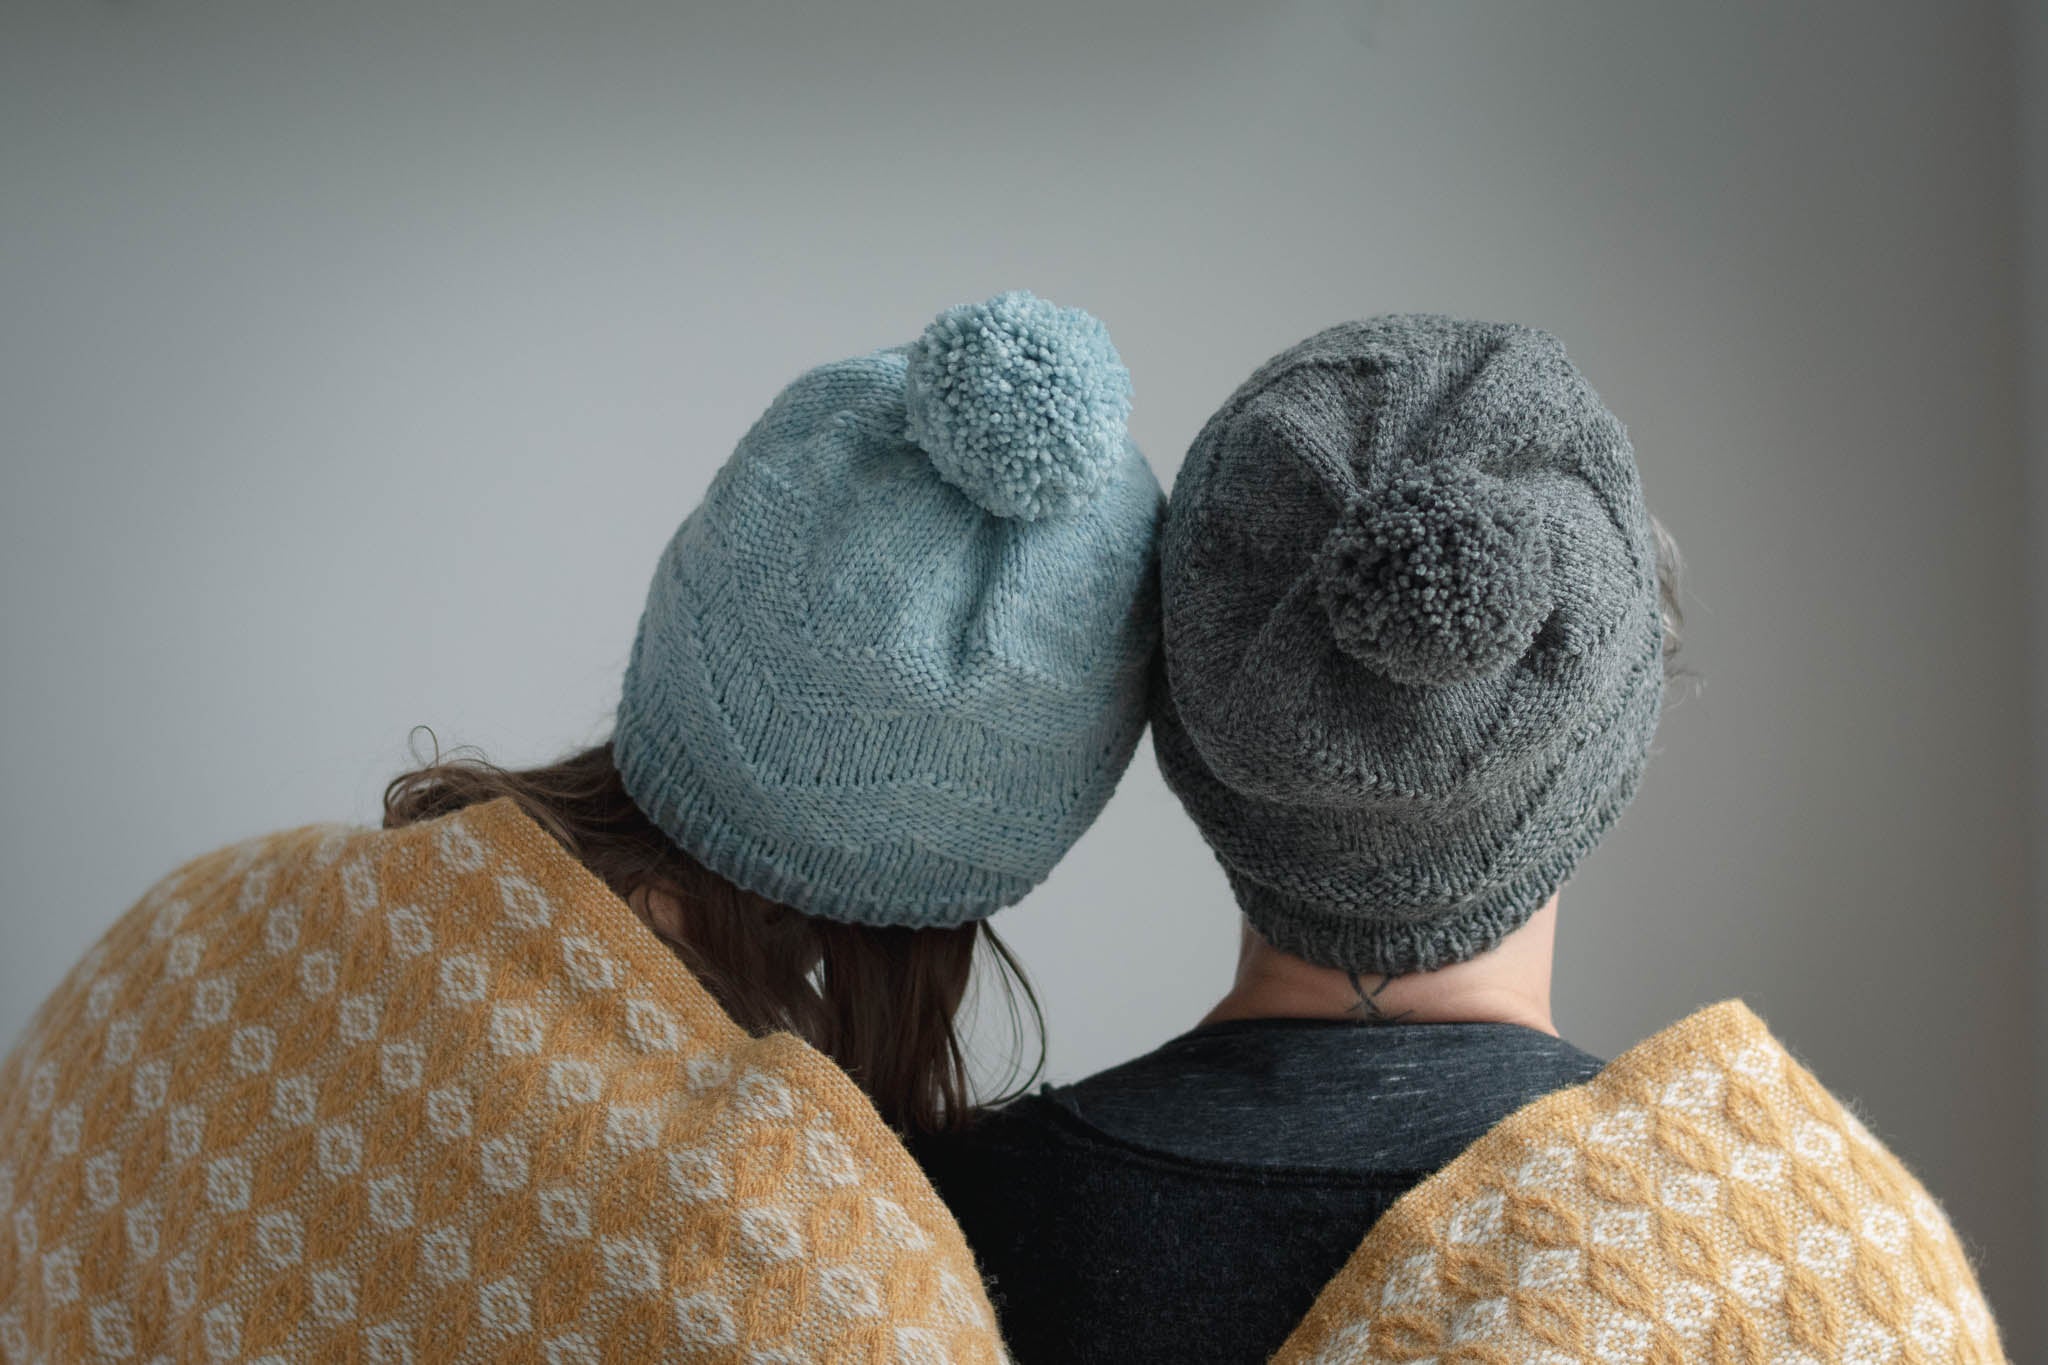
{"x": 884, "y": 1003}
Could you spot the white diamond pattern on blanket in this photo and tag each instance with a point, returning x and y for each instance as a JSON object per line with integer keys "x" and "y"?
{"x": 292, "y": 1101}
{"x": 318, "y": 972}
{"x": 338, "y": 1148}
{"x": 430, "y": 1095}
{"x": 652, "y": 1027}
{"x": 565, "y": 1212}
{"x": 280, "y": 1238}
{"x": 391, "y": 1205}
{"x": 102, "y": 1179}
{"x": 334, "y": 1293}
{"x": 631, "y": 1265}
{"x": 444, "y": 1253}
{"x": 113, "y": 1335}
{"x": 402, "y": 1065}
{"x": 251, "y": 1049}
{"x": 504, "y": 1307}
{"x": 1702, "y": 1201}
{"x": 574, "y": 1348}
{"x": 464, "y": 980}
{"x": 410, "y": 935}
{"x": 448, "y": 1114}
{"x": 358, "y": 1019}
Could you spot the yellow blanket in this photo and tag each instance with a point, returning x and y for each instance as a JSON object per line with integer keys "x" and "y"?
{"x": 1702, "y": 1199}
{"x": 436, "y": 1095}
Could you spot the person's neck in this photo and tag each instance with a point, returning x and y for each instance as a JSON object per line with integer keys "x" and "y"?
{"x": 1508, "y": 985}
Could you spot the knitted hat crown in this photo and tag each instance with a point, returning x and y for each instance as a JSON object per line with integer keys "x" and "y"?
{"x": 896, "y": 661}
{"x": 1413, "y": 640}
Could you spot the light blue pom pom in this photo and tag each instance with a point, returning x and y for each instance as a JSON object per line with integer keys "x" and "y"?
{"x": 1021, "y": 404}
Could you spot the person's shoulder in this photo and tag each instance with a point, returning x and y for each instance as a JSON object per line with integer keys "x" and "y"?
{"x": 1707, "y": 1134}
{"x": 1029, "y": 1121}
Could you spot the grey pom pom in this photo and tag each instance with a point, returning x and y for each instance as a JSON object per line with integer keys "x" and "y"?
{"x": 1436, "y": 577}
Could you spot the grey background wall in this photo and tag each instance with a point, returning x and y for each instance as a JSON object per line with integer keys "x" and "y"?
{"x": 2031, "y": 45}
{"x": 356, "y": 361}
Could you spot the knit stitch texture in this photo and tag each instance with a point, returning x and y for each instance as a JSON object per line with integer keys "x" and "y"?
{"x": 1702, "y": 1201}
{"x": 436, "y": 1095}
{"x": 1412, "y": 637}
{"x": 897, "y": 660}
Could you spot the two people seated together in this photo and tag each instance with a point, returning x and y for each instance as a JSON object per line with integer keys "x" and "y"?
{"x": 653, "y": 1053}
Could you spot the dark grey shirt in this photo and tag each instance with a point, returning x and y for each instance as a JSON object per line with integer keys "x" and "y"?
{"x": 1189, "y": 1205}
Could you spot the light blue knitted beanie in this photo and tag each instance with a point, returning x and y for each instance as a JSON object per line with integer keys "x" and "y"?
{"x": 896, "y": 661}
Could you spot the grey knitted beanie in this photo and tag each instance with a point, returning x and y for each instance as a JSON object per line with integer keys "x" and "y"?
{"x": 1413, "y": 640}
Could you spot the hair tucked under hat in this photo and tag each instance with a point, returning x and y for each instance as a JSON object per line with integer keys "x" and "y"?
{"x": 896, "y": 661}
{"x": 1413, "y": 638}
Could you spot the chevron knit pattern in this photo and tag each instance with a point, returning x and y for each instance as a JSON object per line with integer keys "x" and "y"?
{"x": 892, "y": 683}
{"x": 1412, "y": 637}
{"x": 435, "y": 1094}
{"x": 1702, "y": 1199}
